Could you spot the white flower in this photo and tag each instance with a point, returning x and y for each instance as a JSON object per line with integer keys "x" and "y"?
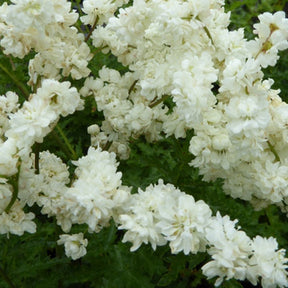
{"x": 103, "y": 9}
{"x": 28, "y": 23}
{"x": 93, "y": 195}
{"x": 271, "y": 179}
{"x": 142, "y": 214}
{"x": 239, "y": 76}
{"x": 31, "y": 123}
{"x": 273, "y": 26}
{"x": 75, "y": 245}
{"x": 16, "y": 221}
{"x": 248, "y": 115}
{"x": 272, "y": 34}
{"x": 268, "y": 263}
{"x": 264, "y": 57}
{"x": 141, "y": 229}
{"x": 61, "y": 98}
{"x": 230, "y": 250}
{"x": 192, "y": 93}
{"x": 52, "y": 168}
{"x": 9, "y": 102}
{"x": 184, "y": 224}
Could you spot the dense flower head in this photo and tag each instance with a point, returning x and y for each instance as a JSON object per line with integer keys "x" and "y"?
{"x": 235, "y": 255}
{"x": 9, "y": 159}
{"x": 25, "y": 24}
{"x": 230, "y": 250}
{"x": 162, "y": 213}
{"x": 46, "y": 185}
{"x": 93, "y": 194}
{"x": 268, "y": 263}
{"x": 33, "y": 121}
{"x": 45, "y": 26}
{"x": 274, "y": 27}
{"x": 127, "y": 113}
{"x": 142, "y": 214}
{"x": 99, "y": 11}
{"x": 184, "y": 226}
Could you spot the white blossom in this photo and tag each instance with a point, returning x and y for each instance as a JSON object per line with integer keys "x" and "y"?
{"x": 230, "y": 250}
{"x": 268, "y": 263}
{"x": 75, "y": 245}
{"x": 16, "y": 221}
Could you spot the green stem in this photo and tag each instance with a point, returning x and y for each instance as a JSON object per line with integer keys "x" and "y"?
{"x": 92, "y": 29}
{"x": 78, "y": 24}
{"x": 208, "y": 34}
{"x": 273, "y": 151}
{"x": 67, "y": 143}
{"x": 56, "y": 137}
{"x": 107, "y": 146}
{"x": 77, "y": 4}
{"x": 11, "y": 62}
{"x": 132, "y": 87}
{"x": 206, "y": 31}
{"x": 265, "y": 46}
{"x": 183, "y": 155}
{"x": 37, "y": 152}
{"x": 98, "y": 50}
{"x": 21, "y": 87}
{"x": 6, "y": 278}
{"x": 163, "y": 98}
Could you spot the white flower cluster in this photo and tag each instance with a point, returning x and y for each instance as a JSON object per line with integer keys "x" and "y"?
{"x": 93, "y": 197}
{"x": 237, "y": 256}
{"x": 127, "y": 113}
{"x": 169, "y": 49}
{"x": 21, "y": 128}
{"x": 186, "y": 71}
{"x": 99, "y": 11}
{"x": 163, "y": 213}
{"x": 16, "y": 221}
{"x": 36, "y": 117}
{"x": 45, "y": 26}
{"x": 95, "y": 193}
{"x": 183, "y": 52}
